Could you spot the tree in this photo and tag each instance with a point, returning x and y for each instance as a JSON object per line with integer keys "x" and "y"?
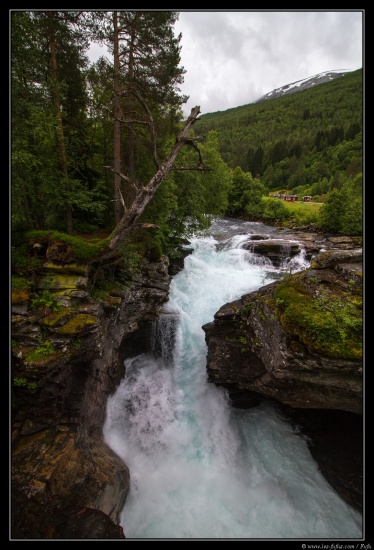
{"x": 32, "y": 124}
{"x": 48, "y": 117}
{"x": 245, "y": 195}
{"x": 144, "y": 194}
{"x": 145, "y": 60}
{"x": 331, "y": 212}
{"x": 352, "y": 219}
{"x": 197, "y": 196}
{"x": 216, "y": 184}
{"x": 56, "y": 28}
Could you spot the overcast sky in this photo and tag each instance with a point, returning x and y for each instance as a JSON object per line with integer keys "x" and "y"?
{"x": 233, "y": 58}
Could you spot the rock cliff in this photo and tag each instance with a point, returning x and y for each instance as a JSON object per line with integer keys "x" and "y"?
{"x": 66, "y": 361}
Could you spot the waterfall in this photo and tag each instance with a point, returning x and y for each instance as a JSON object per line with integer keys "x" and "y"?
{"x": 163, "y": 336}
{"x": 200, "y": 468}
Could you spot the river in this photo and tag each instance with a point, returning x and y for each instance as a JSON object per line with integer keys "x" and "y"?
{"x": 201, "y": 469}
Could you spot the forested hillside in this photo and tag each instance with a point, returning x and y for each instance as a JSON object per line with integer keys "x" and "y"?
{"x": 296, "y": 141}
{"x": 309, "y": 143}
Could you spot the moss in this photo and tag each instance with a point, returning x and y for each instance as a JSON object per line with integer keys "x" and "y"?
{"x": 246, "y": 310}
{"x": 45, "y": 349}
{"x": 63, "y": 281}
{"x": 57, "y": 318}
{"x": 330, "y": 324}
{"x": 20, "y": 284}
{"x": 83, "y": 249}
{"x": 78, "y": 323}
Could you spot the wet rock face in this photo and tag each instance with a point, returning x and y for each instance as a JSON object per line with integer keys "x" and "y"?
{"x": 289, "y": 245}
{"x": 276, "y": 250}
{"x": 66, "y": 482}
{"x": 270, "y": 343}
{"x": 336, "y": 444}
{"x": 42, "y": 522}
{"x": 298, "y": 342}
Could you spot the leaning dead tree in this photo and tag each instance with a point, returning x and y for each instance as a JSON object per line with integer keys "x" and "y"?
{"x": 145, "y": 193}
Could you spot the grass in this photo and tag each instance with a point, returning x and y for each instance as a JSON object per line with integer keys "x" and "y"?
{"x": 303, "y": 209}
{"x": 303, "y": 213}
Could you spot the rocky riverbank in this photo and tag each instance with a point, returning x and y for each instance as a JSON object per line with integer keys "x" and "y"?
{"x": 66, "y": 361}
{"x": 66, "y": 482}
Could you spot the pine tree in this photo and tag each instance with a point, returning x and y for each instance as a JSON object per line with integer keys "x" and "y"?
{"x": 146, "y": 57}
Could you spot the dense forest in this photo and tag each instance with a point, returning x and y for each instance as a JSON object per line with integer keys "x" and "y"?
{"x": 93, "y": 145}
{"x": 305, "y": 143}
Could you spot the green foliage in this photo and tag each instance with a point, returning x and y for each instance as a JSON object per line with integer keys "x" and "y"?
{"x": 110, "y": 277}
{"x": 20, "y": 283}
{"x": 309, "y": 142}
{"x": 24, "y": 383}
{"x": 23, "y": 262}
{"x": 50, "y": 165}
{"x": 83, "y": 249}
{"x": 275, "y": 210}
{"x": 187, "y": 200}
{"x": 131, "y": 259}
{"x": 331, "y": 324}
{"x": 245, "y": 195}
{"x": 342, "y": 209}
{"x": 46, "y": 300}
{"x": 216, "y": 184}
{"x": 102, "y": 294}
{"x": 43, "y": 350}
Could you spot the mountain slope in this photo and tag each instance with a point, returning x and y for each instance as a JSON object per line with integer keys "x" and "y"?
{"x": 304, "y": 84}
{"x": 311, "y": 139}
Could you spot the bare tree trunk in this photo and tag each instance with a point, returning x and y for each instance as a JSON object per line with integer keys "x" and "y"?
{"x": 60, "y": 128}
{"x": 117, "y": 123}
{"x": 131, "y": 163}
{"x": 145, "y": 194}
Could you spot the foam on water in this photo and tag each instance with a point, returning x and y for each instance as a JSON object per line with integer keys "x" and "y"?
{"x": 199, "y": 468}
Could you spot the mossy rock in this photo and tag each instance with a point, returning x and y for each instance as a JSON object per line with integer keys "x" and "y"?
{"x": 328, "y": 321}
{"x": 73, "y": 268}
{"x": 58, "y": 318}
{"x": 20, "y": 296}
{"x": 62, "y": 281}
{"x": 81, "y": 322}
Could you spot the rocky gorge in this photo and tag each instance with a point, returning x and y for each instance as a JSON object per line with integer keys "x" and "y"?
{"x": 67, "y": 483}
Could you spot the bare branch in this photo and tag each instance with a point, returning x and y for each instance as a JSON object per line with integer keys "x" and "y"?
{"x": 192, "y": 144}
{"x": 149, "y": 122}
{"x": 133, "y": 121}
{"x": 198, "y": 167}
{"x": 121, "y": 198}
{"x": 123, "y": 177}
{"x": 149, "y": 225}
{"x": 145, "y": 194}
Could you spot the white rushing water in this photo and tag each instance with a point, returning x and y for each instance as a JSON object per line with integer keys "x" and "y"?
{"x": 199, "y": 468}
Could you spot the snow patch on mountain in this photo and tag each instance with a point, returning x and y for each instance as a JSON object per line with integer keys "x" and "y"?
{"x": 305, "y": 83}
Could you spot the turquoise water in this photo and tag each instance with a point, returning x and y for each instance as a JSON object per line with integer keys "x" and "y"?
{"x": 199, "y": 468}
